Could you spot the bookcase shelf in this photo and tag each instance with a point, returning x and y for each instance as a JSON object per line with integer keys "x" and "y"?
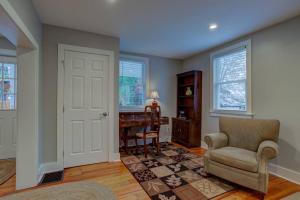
{"x": 191, "y": 96}
{"x": 187, "y": 85}
{"x": 185, "y": 106}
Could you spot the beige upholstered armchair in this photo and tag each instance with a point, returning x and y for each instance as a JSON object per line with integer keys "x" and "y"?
{"x": 241, "y": 150}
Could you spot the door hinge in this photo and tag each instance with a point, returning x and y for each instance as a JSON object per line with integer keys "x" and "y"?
{"x": 63, "y": 64}
{"x": 63, "y": 108}
{"x": 63, "y": 154}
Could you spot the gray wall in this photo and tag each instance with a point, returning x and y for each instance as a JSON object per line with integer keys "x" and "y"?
{"x": 162, "y": 75}
{"x": 52, "y": 36}
{"x": 28, "y": 14}
{"x": 275, "y": 85}
{"x": 5, "y": 44}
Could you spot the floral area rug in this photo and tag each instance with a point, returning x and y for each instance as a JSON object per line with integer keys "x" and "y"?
{"x": 173, "y": 174}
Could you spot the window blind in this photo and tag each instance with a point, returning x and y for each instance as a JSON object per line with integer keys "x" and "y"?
{"x": 230, "y": 74}
{"x": 132, "y": 83}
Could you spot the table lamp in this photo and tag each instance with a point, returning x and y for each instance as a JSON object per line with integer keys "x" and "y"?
{"x": 154, "y": 95}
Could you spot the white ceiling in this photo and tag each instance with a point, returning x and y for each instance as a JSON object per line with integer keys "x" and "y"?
{"x": 168, "y": 28}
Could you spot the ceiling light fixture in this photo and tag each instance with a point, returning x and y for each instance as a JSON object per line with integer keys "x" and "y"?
{"x": 213, "y": 27}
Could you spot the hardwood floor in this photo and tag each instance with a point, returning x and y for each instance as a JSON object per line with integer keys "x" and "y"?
{"x": 118, "y": 178}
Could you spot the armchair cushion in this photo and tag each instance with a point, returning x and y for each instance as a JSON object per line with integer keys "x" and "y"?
{"x": 216, "y": 140}
{"x": 235, "y": 157}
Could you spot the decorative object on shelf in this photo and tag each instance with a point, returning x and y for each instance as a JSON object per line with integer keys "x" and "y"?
{"x": 154, "y": 95}
{"x": 181, "y": 115}
{"x": 188, "y": 91}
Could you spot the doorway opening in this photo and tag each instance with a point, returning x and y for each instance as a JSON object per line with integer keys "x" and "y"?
{"x": 8, "y": 110}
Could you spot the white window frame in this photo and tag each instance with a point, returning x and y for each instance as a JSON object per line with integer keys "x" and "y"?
{"x": 12, "y": 60}
{"x": 218, "y": 112}
{"x": 145, "y": 82}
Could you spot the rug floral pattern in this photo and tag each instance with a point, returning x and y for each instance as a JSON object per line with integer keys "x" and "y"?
{"x": 174, "y": 174}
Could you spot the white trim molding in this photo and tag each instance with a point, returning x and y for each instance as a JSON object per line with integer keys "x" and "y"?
{"x": 48, "y": 168}
{"x": 112, "y": 156}
{"x": 115, "y": 157}
{"x": 204, "y": 145}
{"x": 28, "y": 57}
{"x": 285, "y": 173}
{"x": 8, "y": 59}
{"x": 8, "y": 52}
{"x": 217, "y": 112}
{"x": 231, "y": 114}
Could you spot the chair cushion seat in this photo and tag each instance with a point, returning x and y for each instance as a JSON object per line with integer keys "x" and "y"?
{"x": 235, "y": 157}
{"x": 148, "y": 135}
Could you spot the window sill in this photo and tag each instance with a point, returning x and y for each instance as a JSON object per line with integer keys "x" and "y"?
{"x": 10, "y": 110}
{"x": 231, "y": 114}
{"x": 132, "y": 110}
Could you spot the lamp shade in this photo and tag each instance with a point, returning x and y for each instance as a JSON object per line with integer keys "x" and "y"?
{"x": 154, "y": 94}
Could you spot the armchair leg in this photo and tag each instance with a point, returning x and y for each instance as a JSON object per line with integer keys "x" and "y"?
{"x": 205, "y": 174}
{"x": 261, "y": 195}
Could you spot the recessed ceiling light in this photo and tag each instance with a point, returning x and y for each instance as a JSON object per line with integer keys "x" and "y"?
{"x": 213, "y": 27}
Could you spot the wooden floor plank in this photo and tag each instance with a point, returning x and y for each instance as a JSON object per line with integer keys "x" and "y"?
{"x": 116, "y": 176}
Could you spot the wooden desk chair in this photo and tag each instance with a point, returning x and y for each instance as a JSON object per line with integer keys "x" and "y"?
{"x": 151, "y": 128}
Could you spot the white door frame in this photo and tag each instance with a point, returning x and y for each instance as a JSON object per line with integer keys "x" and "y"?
{"x": 28, "y": 57}
{"x": 60, "y": 98}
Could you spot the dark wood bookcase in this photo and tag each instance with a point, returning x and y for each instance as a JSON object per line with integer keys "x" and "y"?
{"x": 186, "y": 126}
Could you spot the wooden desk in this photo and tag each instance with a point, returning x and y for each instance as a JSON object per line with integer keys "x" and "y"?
{"x": 128, "y": 120}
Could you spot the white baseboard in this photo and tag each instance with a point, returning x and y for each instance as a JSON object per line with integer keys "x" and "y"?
{"x": 204, "y": 145}
{"x": 48, "y": 168}
{"x": 40, "y": 174}
{"x": 115, "y": 157}
{"x": 288, "y": 174}
{"x": 165, "y": 139}
{"x": 54, "y": 166}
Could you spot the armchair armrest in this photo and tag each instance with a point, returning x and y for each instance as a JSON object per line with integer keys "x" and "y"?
{"x": 267, "y": 150}
{"x": 216, "y": 140}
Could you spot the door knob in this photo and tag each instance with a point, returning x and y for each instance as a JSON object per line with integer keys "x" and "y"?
{"x": 103, "y": 115}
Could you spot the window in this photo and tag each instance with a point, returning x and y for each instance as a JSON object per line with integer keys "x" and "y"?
{"x": 231, "y": 92}
{"x": 8, "y": 83}
{"x": 133, "y": 79}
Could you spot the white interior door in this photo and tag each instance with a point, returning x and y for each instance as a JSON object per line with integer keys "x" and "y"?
{"x": 85, "y": 108}
{"x": 8, "y": 134}
{"x": 8, "y": 114}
